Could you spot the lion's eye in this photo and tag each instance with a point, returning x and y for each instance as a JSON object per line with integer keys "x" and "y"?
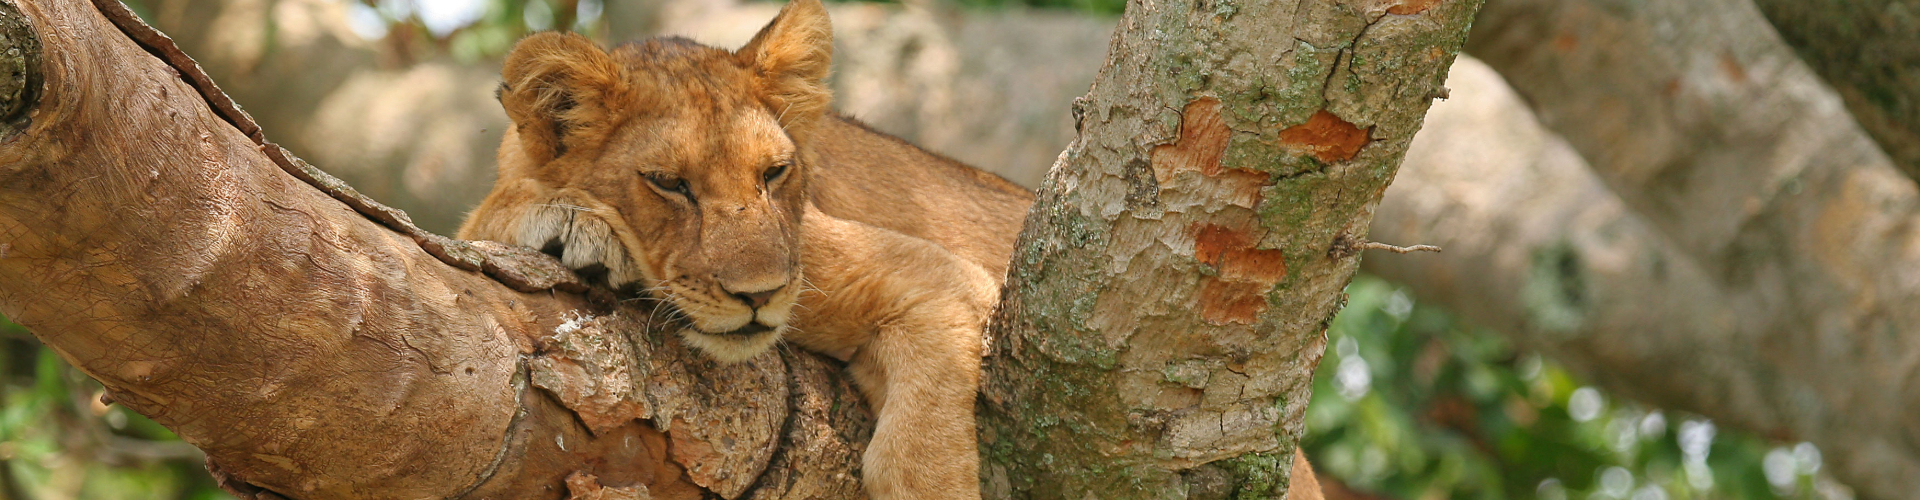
{"x": 776, "y": 171}
{"x": 671, "y": 184}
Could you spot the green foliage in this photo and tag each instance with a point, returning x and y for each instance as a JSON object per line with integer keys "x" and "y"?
{"x": 1410, "y": 404}
{"x": 475, "y": 31}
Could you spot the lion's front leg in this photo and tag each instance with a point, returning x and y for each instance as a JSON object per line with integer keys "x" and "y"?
{"x": 921, "y": 381}
{"x": 908, "y": 317}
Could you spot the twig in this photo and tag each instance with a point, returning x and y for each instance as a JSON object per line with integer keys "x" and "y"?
{"x": 1348, "y": 246}
{"x": 1373, "y": 245}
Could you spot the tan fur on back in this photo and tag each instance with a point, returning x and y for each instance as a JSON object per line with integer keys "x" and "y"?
{"x": 721, "y": 184}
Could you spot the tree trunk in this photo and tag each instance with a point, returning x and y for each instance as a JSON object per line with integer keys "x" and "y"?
{"x": 1169, "y": 296}
{"x": 1734, "y": 152}
{"x": 1869, "y": 51}
{"x": 317, "y": 345}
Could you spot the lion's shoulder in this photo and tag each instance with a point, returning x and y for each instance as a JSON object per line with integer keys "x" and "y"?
{"x": 875, "y": 178}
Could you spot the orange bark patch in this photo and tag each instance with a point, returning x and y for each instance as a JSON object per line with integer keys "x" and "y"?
{"x": 1238, "y": 293}
{"x": 1232, "y": 253}
{"x": 1732, "y": 68}
{"x": 1203, "y": 139}
{"x": 1565, "y": 43}
{"x": 1223, "y": 302}
{"x": 1326, "y": 137}
{"x": 1405, "y": 7}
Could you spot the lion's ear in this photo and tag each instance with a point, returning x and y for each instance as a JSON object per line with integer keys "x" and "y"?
{"x": 791, "y": 57}
{"x": 562, "y": 92}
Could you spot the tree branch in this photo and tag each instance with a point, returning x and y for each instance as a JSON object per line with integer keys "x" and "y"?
{"x": 253, "y": 305}
{"x": 1869, "y": 51}
{"x": 1732, "y": 150}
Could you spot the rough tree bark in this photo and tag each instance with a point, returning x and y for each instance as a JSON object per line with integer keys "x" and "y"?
{"x": 315, "y": 344}
{"x": 1733, "y": 151}
{"x": 1168, "y": 300}
{"x": 1869, "y": 50}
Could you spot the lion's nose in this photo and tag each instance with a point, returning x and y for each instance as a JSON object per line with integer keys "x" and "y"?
{"x": 757, "y": 299}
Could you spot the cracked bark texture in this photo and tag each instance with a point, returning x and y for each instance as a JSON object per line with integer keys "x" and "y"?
{"x": 1869, "y": 50}
{"x": 1169, "y": 297}
{"x": 312, "y": 345}
{"x": 1735, "y": 153}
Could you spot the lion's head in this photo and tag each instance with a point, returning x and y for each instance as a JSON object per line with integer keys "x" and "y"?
{"x": 669, "y": 169}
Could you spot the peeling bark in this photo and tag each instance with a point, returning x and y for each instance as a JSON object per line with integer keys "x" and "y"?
{"x": 1169, "y": 298}
{"x": 1732, "y": 150}
{"x": 316, "y": 345}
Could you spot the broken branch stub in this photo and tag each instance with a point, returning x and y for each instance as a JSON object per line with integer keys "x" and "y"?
{"x": 19, "y": 69}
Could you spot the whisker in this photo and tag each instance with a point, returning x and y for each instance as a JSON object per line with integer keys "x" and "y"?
{"x": 806, "y": 285}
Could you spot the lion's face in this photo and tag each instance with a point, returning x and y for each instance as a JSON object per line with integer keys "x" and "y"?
{"x": 670, "y": 170}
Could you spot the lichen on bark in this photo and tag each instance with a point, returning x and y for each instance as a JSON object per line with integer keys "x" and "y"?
{"x": 1168, "y": 300}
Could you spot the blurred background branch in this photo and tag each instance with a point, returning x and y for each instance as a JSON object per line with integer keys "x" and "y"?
{"x": 1869, "y": 51}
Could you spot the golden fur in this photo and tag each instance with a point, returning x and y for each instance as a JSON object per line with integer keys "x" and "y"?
{"x": 711, "y": 179}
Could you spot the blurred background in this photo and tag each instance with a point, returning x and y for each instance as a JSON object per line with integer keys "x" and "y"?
{"x": 1625, "y": 309}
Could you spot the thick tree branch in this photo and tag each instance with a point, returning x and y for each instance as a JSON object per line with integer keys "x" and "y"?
{"x": 1538, "y": 249}
{"x": 221, "y": 287}
{"x": 1169, "y": 298}
{"x": 1732, "y": 149}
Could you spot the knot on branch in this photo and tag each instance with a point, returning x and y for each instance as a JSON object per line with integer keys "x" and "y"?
{"x": 19, "y": 69}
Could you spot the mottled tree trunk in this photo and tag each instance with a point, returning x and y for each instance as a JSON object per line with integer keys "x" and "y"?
{"x": 1168, "y": 300}
{"x": 1735, "y": 153}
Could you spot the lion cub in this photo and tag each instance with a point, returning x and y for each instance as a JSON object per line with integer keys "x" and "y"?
{"x": 682, "y": 172}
